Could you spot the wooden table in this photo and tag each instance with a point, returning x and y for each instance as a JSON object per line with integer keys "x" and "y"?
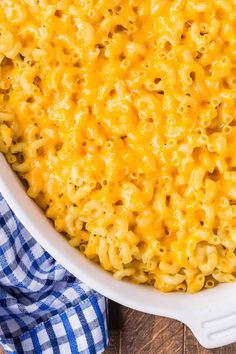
{"x": 132, "y": 332}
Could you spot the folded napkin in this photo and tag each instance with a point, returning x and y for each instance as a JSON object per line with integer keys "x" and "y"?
{"x": 43, "y": 308}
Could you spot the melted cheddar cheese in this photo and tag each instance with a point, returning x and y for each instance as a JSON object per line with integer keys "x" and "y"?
{"x": 120, "y": 117}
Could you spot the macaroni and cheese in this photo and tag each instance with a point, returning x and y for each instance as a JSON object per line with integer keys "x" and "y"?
{"x": 120, "y": 116}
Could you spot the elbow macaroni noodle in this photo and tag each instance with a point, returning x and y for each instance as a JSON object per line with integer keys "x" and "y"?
{"x": 120, "y": 115}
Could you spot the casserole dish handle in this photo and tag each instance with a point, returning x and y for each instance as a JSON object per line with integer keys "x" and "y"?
{"x": 213, "y": 328}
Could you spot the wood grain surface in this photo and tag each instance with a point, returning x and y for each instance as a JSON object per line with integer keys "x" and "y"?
{"x": 133, "y": 332}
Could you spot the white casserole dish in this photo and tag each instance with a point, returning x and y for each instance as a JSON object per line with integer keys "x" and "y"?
{"x": 210, "y": 314}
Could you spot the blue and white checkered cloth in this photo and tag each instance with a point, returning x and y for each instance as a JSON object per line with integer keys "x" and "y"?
{"x": 43, "y": 308}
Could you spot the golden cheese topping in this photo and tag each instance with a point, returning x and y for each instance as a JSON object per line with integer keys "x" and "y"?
{"x": 121, "y": 117}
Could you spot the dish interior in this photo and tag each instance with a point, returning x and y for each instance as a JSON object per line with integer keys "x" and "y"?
{"x": 143, "y": 298}
{"x": 121, "y": 121}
